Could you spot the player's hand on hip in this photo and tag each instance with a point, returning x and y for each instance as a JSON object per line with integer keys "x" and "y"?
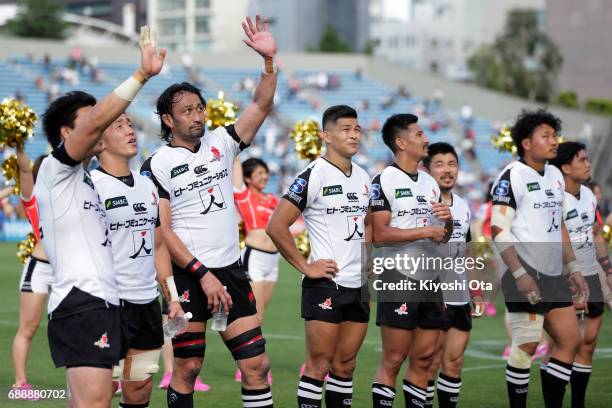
{"x": 441, "y": 211}
{"x": 528, "y": 288}
{"x": 322, "y": 268}
{"x": 259, "y": 37}
{"x": 175, "y": 310}
{"x": 216, "y": 293}
{"x": 436, "y": 234}
{"x": 151, "y": 62}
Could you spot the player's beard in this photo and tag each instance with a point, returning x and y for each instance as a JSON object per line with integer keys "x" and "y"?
{"x": 195, "y": 133}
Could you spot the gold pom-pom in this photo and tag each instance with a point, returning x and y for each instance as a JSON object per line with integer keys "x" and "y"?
{"x": 482, "y": 248}
{"x": 241, "y": 234}
{"x": 220, "y": 112}
{"x": 503, "y": 141}
{"x": 308, "y": 143}
{"x": 10, "y": 170}
{"x": 607, "y": 234}
{"x": 16, "y": 123}
{"x": 26, "y": 247}
{"x": 303, "y": 243}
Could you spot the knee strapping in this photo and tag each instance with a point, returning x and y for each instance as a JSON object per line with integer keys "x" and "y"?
{"x": 518, "y": 357}
{"x": 246, "y": 345}
{"x": 525, "y": 327}
{"x": 189, "y": 344}
{"x": 137, "y": 367}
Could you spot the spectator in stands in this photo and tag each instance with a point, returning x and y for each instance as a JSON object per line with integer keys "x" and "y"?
{"x": 295, "y": 86}
{"x": 403, "y": 92}
{"x": 19, "y": 96}
{"x": 363, "y": 105}
{"x": 39, "y": 82}
{"x": 47, "y": 61}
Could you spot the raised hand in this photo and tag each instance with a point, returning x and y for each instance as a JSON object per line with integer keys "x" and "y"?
{"x": 259, "y": 37}
{"x": 151, "y": 62}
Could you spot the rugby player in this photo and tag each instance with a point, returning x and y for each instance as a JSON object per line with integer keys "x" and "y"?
{"x": 36, "y": 277}
{"x": 259, "y": 256}
{"x": 84, "y": 322}
{"x": 139, "y": 257}
{"x": 199, "y": 224}
{"x": 442, "y": 163}
{"x": 579, "y": 214}
{"x": 407, "y": 210}
{"x": 332, "y": 195}
{"x": 528, "y": 229}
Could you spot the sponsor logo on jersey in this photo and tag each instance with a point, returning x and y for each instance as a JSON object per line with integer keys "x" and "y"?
{"x": 402, "y": 310}
{"x": 178, "y": 170}
{"x": 184, "y": 298}
{"x": 353, "y": 224}
{"x": 332, "y": 190}
{"x": 212, "y": 199}
{"x": 584, "y": 216}
{"x": 533, "y": 186}
{"x": 572, "y": 214}
{"x": 115, "y": 202}
{"x": 200, "y": 170}
{"x": 503, "y": 188}
{"x": 139, "y": 208}
{"x": 375, "y": 192}
{"x": 102, "y": 342}
{"x": 143, "y": 243}
{"x": 554, "y": 222}
{"x": 549, "y": 192}
{"x": 216, "y": 154}
{"x": 327, "y": 305}
{"x": 298, "y": 185}
{"x": 421, "y": 199}
{"x": 403, "y": 192}
{"x": 145, "y": 173}
{"x": 352, "y": 197}
{"x": 456, "y": 223}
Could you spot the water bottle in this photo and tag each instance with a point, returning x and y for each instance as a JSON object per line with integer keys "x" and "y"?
{"x": 219, "y": 319}
{"x": 176, "y": 325}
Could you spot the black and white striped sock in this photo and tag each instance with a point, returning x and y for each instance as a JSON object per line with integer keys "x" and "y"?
{"x": 257, "y": 398}
{"x": 414, "y": 396}
{"x": 448, "y": 391}
{"x": 557, "y": 376}
{"x": 517, "y": 381}
{"x": 431, "y": 391}
{"x": 309, "y": 392}
{"x": 338, "y": 391}
{"x": 382, "y": 395}
{"x": 579, "y": 380}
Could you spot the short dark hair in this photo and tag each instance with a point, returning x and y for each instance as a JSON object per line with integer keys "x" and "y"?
{"x": 566, "y": 153}
{"x": 527, "y": 121}
{"x": 395, "y": 124}
{"x": 439, "y": 148}
{"x": 63, "y": 112}
{"x": 36, "y": 166}
{"x": 333, "y": 113}
{"x": 249, "y": 166}
{"x": 168, "y": 98}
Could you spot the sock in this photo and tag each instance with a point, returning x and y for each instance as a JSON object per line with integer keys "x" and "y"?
{"x": 579, "y": 380}
{"x": 338, "y": 391}
{"x": 448, "y": 391}
{"x": 382, "y": 395}
{"x": 517, "y": 381}
{"x": 557, "y": 376}
{"x": 125, "y": 405}
{"x": 178, "y": 400}
{"x": 310, "y": 392}
{"x": 414, "y": 396}
{"x": 431, "y": 390}
{"x": 257, "y": 398}
{"x": 543, "y": 376}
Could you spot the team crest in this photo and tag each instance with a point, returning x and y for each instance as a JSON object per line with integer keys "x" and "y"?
{"x": 216, "y": 154}
{"x": 184, "y": 298}
{"x": 143, "y": 243}
{"x": 102, "y": 342}
{"x": 402, "y": 310}
{"x": 327, "y": 305}
{"x": 353, "y": 224}
{"x": 212, "y": 199}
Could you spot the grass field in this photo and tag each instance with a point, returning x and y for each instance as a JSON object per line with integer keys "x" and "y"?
{"x": 483, "y": 377}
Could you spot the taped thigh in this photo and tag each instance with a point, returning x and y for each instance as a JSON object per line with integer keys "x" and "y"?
{"x": 139, "y": 367}
{"x": 525, "y": 327}
{"x": 246, "y": 345}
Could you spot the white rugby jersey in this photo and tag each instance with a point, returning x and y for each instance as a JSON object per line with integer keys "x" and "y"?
{"x": 74, "y": 237}
{"x": 408, "y": 197}
{"x": 579, "y": 216}
{"x": 457, "y": 245}
{"x": 334, "y": 207}
{"x": 131, "y": 217}
{"x": 199, "y": 187}
{"x": 538, "y": 201}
